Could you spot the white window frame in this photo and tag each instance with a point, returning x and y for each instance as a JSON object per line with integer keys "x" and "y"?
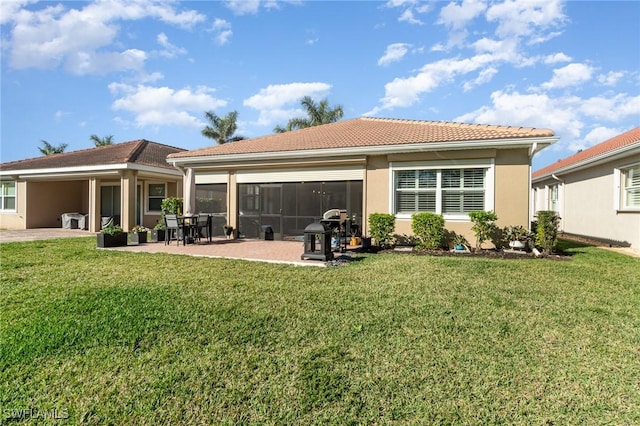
{"x": 489, "y": 183}
{"x": 3, "y": 185}
{"x": 621, "y": 191}
{"x": 148, "y": 196}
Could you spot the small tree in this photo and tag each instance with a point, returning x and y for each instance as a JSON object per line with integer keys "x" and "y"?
{"x": 429, "y": 227}
{"x": 381, "y": 227}
{"x": 484, "y": 225}
{"x": 547, "y": 230}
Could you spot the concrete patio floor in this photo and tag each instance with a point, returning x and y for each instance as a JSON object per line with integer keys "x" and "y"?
{"x": 287, "y": 252}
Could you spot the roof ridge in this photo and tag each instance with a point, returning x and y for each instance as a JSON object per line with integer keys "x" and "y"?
{"x": 137, "y": 150}
{"x": 448, "y": 123}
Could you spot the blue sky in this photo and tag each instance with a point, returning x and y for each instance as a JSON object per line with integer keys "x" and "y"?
{"x": 149, "y": 69}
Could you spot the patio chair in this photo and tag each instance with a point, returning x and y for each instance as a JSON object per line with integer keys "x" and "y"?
{"x": 175, "y": 229}
{"x": 202, "y": 226}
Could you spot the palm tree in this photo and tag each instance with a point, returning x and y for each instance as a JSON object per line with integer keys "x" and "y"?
{"x": 318, "y": 113}
{"x": 98, "y": 141}
{"x": 221, "y": 129}
{"x": 48, "y": 149}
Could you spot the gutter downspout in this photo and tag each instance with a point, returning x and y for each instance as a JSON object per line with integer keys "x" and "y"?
{"x": 532, "y": 207}
{"x": 553, "y": 175}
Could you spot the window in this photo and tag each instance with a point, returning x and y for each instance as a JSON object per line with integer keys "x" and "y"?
{"x": 553, "y": 198}
{"x": 631, "y": 187}
{"x": 448, "y": 191}
{"x": 8, "y": 196}
{"x": 156, "y": 193}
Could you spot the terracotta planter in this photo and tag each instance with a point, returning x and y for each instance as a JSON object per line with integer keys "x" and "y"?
{"x": 116, "y": 240}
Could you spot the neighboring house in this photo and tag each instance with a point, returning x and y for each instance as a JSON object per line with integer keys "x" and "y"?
{"x": 596, "y": 192}
{"x": 127, "y": 181}
{"x": 368, "y": 165}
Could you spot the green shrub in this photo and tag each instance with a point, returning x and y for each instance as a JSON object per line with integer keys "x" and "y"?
{"x": 172, "y": 205}
{"x": 429, "y": 228}
{"x": 381, "y": 227}
{"x": 484, "y": 225}
{"x": 111, "y": 230}
{"x": 547, "y": 230}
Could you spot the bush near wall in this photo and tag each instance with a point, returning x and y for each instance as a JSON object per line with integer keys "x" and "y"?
{"x": 381, "y": 227}
{"x": 429, "y": 228}
{"x": 547, "y": 230}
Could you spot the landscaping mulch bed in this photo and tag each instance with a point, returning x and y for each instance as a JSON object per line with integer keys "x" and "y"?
{"x": 486, "y": 253}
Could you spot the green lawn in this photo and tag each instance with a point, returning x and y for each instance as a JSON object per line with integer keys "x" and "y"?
{"x": 131, "y": 338}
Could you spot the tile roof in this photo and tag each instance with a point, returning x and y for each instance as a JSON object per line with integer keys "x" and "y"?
{"x": 603, "y": 148}
{"x": 364, "y": 132}
{"x": 141, "y": 152}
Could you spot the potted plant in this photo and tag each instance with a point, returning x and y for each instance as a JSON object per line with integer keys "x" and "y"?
{"x": 518, "y": 236}
{"x": 138, "y": 234}
{"x": 460, "y": 243}
{"x": 111, "y": 236}
{"x": 158, "y": 231}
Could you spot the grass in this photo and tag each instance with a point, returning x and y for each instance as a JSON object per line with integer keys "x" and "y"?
{"x": 103, "y": 337}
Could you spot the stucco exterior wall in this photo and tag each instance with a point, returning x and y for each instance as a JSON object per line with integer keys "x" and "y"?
{"x": 512, "y": 187}
{"x": 589, "y": 206}
{"x": 511, "y": 201}
{"x": 47, "y": 202}
{"x": 17, "y": 219}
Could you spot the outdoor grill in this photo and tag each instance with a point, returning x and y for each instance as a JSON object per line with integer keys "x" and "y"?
{"x": 341, "y": 226}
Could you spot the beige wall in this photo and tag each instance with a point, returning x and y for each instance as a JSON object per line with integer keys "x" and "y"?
{"x": 47, "y": 201}
{"x": 588, "y": 205}
{"x": 511, "y": 186}
{"x": 18, "y": 219}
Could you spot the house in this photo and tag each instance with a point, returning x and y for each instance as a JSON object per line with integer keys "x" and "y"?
{"x": 596, "y": 192}
{"x": 126, "y": 181}
{"x": 367, "y": 165}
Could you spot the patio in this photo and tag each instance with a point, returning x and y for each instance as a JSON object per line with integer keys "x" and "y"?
{"x": 287, "y": 252}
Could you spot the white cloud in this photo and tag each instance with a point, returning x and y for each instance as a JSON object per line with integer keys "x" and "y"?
{"x": 411, "y": 8}
{"x": 273, "y": 100}
{"x": 60, "y": 114}
{"x": 484, "y": 77}
{"x": 104, "y": 63}
{"x": 243, "y": 7}
{"x": 557, "y": 58}
{"x": 404, "y": 92}
{"x": 530, "y": 18}
{"x": 594, "y": 137}
{"x": 611, "y": 78}
{"x": 407, "y": 16}
{"x": 222, "y": 30}
{"x": 611, "y": 108}
{"x": 170, "y": 50}
{"x": 164, "y": 106}
{"x": 394, "y": 53}
{"x": 566, "y": 115}
{"x": 54, "y": 35}
{"x": 570, "y": 75}
{"x": 456, "y": 16}
{"x": 251, "y": 7}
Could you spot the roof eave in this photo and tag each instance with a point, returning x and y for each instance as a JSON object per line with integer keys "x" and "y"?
{"x": 539, "y": 142}
{"x": 592, "y": 161}
{"x": 103, "y": 169}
